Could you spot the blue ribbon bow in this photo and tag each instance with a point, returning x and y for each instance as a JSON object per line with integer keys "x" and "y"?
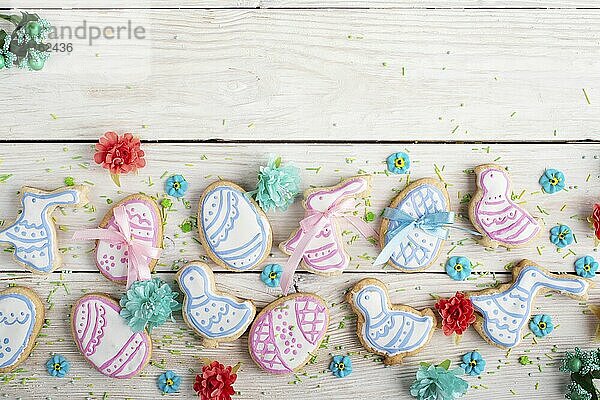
{"x": 435, "y": 224}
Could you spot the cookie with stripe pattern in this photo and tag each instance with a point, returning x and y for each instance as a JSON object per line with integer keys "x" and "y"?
{"x": 21, "y": 320}
{"x": 233, "y": 229}
{"x": 495, "y": 215}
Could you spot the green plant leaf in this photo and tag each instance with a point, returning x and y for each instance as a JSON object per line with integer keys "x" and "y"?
{"x": 445, "y": 364}
{"x": 116, "y": 179}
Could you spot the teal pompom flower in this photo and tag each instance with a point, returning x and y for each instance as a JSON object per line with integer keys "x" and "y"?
{"x": 541, "y": 325}
{"x": 25, "y": 47}
{"x": 271, "y": 275}
{"x": 148, "y": 304}
{"x": 561, "y": 236}
{"x": 278, "y": 185}
{"x": 473, "y": 363}
{"x": 438, "y": 382}
{"x": 341, "y": 366}
{"x": 58, "y": 366}
{"x": 458, "y": 268}
{"x": 586, "y": 267}
{"x": 552, "y": 181}
{"x": 398, "y": 163}
{"x": 176, "y": 186}
{"x": 169, "y": 382}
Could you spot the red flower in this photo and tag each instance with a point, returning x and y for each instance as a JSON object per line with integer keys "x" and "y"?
{"x": 215, "y": 382}
{"x": 119, "y": 154}
{"x": 596, "y": 220}
{"x": 457, "y": 314}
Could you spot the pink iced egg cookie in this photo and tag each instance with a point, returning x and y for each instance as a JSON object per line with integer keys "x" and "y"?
{"x": 287, "y": 332}
{"x": 105, "y": 339}
{"x": 146, "y": 226}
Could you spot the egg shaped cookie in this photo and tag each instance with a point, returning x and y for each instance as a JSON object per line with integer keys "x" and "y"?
{"x": 287, "y": 332}
{"x": 234, "y": 231}
{"x": 105, "y": 339}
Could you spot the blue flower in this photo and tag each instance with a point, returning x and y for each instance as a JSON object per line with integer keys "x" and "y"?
{"x": 541, "y": 325}
{"x": 148, "y": 304}
{"x": 473, "y": 364}
{"x": 586, "y": 267}
{"x": 278, "y": 185}
{"x": 58, "y": 366}
{"x": 271, "y": 275}
{"x": 459, "y": 268}
{"x": 341, "y": 366}
{"x": 552, "y": 181}
{"x": 169, "y": 382}
{"x": 176, "y": 186}
{"x": 398, "y": 163}
{"x": 561, "y": 236}
{"x": 438, "y": 383}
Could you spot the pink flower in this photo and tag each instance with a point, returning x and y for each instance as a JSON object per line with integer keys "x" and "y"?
{"x": 119, "y": 154}
{"x": 215, "y": 382}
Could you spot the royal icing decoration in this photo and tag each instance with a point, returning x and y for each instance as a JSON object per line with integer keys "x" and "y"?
{"x": 105, "y": 339}
{"x": 214, "y": 315}
{"x": 318, "y": 243}
{"x": 287, "y": 332}
{"x": 33, "y": 234}
{"x": 234, "y": 231}
{"x": 495, "y": 215}
{"x": 412, "y": 231}
{"x": 393, "y": 331}
{"x": 129, "y": 239}
{"x": 21, "y": 319}
{"x": 507, "y": 308}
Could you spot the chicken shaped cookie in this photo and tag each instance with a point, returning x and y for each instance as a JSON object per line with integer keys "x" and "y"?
{"x": 393, "y": 331}
{"x": 495, "y": 215}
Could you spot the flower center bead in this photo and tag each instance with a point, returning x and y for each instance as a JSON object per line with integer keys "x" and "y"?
{"x": 561, "y": 235}
{"x": 587, "y": 267}
{"x": 273, "y": 275}
{"x": 473, "y": 363}
{"x": 554, "y": 181}
{"x": 176, "y": 185}
{"x": 542, "y": 325}
{"x": 458, "y": 267}
{"x": 341, "y": 366}
{"x": 169, "y": 382}
{"x": 399, "y": 163}
{"x": 57, "y": 367}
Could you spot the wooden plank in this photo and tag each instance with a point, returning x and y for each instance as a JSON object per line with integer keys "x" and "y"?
{"x": 321, "y": 165}
{"x": 175, "y": 347}
{"x": 345, "y": 75}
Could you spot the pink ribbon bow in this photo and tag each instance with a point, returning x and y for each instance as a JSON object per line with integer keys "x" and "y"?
{"x": 313, "y": 222}
{"x": 138, "y": 252}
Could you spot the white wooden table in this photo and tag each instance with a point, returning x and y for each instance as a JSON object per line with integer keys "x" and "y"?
{"x": 333, "y": 86}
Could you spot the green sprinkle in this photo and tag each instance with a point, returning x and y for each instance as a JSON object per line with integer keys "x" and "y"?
{"x": 70, "y": 181}
{"x": 586, "y": 96}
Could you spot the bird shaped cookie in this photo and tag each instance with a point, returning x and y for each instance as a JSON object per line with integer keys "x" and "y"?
{"x": 393, "y": 331}
{"x": 33, "y": 234}
{"x": 495, "y": 215}
{"x": 214, "y": 315}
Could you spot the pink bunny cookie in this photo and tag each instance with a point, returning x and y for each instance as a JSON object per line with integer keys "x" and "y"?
{"x": 495, "y": 215}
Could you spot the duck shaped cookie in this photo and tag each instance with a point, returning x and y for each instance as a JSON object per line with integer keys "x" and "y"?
{"x": 33, "y": 234}
{"x": 393, "y": 331}
{"x": 495, "y": 215}
{"x": 506, "y": 310}
{"x": 214, "y": 315}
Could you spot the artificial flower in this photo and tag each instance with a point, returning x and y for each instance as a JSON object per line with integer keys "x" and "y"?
{"x": 577, "y": 392}
{"x": 148, "y": 304}
{"x": 119, "y": 154}
{"x": 7, "y": 57}
{"x": 583, "y": 367}
{"x": 596, "y": 220}
{"x": 271, "y": 275}
{"x": 215, "y": 382}
{"x": 438, "y": 383}
{"x": 457, "y": 314}
{"x": 169, "y": 382}
{"x": 586, "y": 267}
{"x": 278, "y": 185}
{"x": 459, "y": 268}
{"x": 341, "y": 366}
{"x": 552, "y": 181}
{"x": 58, "y": 366}
{"x": 561, "y": 236}
{"x": 473, "y": 363}
{"x": 176, "y": 186}
{"x": 541, "y": 325}
{"x": 398, "y": 163}
{"x": 25, "y": 47}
